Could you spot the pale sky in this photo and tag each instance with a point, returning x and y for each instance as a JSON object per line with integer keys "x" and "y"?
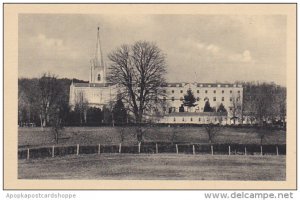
{"x": 199, "y": 48}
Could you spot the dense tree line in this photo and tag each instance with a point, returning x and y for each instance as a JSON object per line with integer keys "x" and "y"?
{"x": 264, "y": 102}
{"x": 44, "y": 102}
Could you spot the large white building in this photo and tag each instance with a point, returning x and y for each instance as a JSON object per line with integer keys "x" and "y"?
{"x": 98, "y": 92}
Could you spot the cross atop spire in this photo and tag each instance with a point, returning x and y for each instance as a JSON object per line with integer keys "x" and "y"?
{"x": 98, "y": 62}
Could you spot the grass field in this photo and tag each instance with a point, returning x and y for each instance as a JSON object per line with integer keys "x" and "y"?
{"x": 155, "y": 167}
{"x": 111, "y": 135}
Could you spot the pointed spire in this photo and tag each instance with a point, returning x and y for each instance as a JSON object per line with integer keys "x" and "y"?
{"x": 98, "y": 54}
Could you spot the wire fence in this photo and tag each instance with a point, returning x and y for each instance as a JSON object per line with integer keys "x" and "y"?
{"x": 153, "y": 148}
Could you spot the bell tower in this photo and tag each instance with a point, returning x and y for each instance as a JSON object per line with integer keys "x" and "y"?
{"x": 97, "y": 71}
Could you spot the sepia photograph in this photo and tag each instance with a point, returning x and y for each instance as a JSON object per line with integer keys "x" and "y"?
{"x": 141, "y": 96}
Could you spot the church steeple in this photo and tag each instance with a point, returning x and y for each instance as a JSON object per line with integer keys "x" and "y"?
{"x": 98, "y": 53}
{"x": 97, "y": 71}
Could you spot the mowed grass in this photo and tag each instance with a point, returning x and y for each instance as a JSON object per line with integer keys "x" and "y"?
{"x": 155, "y": 167}
{"x": 111, "y": 135}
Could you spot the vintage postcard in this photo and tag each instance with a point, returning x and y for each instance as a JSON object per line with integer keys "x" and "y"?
{"x": 149, "y": 96}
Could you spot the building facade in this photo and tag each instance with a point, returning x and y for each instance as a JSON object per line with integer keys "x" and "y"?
{"x": 98, "y": 93}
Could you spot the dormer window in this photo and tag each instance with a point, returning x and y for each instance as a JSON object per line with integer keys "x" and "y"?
{"x": 99, "y": 77}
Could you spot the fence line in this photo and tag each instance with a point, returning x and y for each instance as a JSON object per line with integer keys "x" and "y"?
{"x": 213, "y": 149}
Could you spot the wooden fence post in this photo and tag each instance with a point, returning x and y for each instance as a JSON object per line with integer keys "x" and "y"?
{"x": 212, "y": 149}
{"x": 261, "y": 150}
{"x": 77, "y": 153}
{"x": 139, "y": 147}
{"x": 28, "y": 156}
{"x": 176, "y": 149}
{"x": 193, "y": 149}
{"x": 99, "y": 149}
{"x": 277, "y": 153}
{"x": 52, "y": 151}
{"x": 156, "y": 148}
{"x": 120, "y": 146}
{"x": 229, "y": 150}
{"x": 245, "y": 151}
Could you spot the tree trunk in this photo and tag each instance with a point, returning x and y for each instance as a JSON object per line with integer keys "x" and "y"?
{"x": 56, "y": 136}
{"x": 139, "y": 134}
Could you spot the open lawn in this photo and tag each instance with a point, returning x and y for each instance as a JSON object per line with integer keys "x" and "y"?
{"x": 155, "y": 167}
{"x": 111, "y": 135}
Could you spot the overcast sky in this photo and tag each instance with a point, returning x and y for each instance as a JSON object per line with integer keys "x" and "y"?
{"x": 201, "y": 48}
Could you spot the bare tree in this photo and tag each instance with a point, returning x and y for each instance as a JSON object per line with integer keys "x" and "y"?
{"x": 236, "y": 107}
{"x": 122, "y": 133}
{"x": 264, "y": 101}
{"x": 280, "y": 100}
{"x": 174, "y": 133}
{"x": 138, "y": 70}
{"x": 23, "y": 107}
{"x": 56, "y": 123}
{"x": 81, "y": 106}
{"x": 212, "y": 130}
{"x": 49, "y": 92}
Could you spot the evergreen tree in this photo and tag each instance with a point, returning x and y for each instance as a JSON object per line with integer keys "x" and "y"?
{"x": 189, "y": 99}
{"x": 94, "y": 116}
{"x": 119, "y": 112}
{"x": 181, "y": 108}
{"x": 207, "y": 107}
{"x": 222, "y": 109}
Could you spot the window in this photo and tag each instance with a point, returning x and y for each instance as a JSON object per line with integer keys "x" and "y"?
{"x": 198, "y": 91}
{"x": 198, "y": 99}
{"x": 181, "y": 98}
{"x": 183, "y": 119}
{"x": 230, "y": 108}
{"x": 181, "y": 91}
{"x": 164, "y": 98}
{"x": 191, "y": 119}
{"x": 174, "y": 119}
{"x": 222, "y": 98}
{"x": 222, "y": 91}
{"x": 215, "y": 98}
{"x": 199, "y": 119}
{"x": 239, "y": 91}
{"x": 172, "y": 91}
{"x": 230, "y": 99}
{"x": 173, "y": 98}
{"x": 205, "y": 91}
{"x": 164, "y": 91}
{"x": 215, "y": 91}
{"x": 230, "y": 91}
{"x": 99, "y": 77}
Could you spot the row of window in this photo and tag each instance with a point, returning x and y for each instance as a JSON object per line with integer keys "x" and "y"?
{"x": 198, "y": 99}
{"x": 199, "y": 119}
{"x": 174, "y": 109}
{"x": 206, "y": 91}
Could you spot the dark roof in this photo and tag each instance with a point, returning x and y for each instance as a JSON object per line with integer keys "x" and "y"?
{"x": 192, "y": 114}
{"x": 163, "y": 85}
